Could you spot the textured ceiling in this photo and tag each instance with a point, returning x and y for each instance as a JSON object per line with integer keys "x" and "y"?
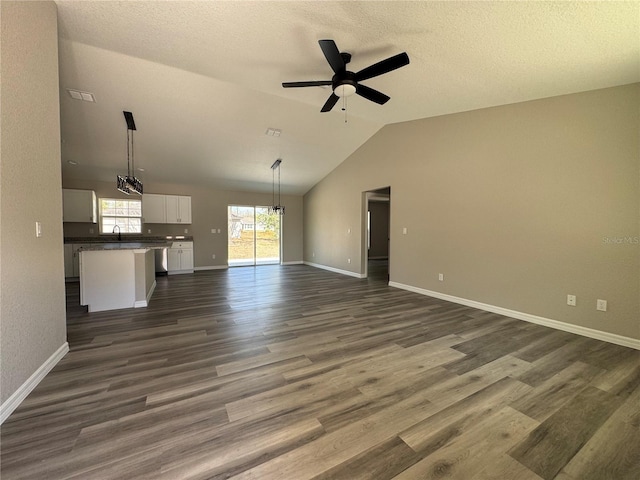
{"x": 203, "y": 79}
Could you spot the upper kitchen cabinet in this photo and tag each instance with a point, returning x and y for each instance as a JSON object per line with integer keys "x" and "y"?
{"x": 154, "y": 209}
{"x": 157, "y": 208}
{"x": 79, "y": 206}
{"x": 178, "y": 209}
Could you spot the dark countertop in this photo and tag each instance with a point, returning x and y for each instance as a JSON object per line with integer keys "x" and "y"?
{"x": 124, "y": 246}
{"x": 147, "y": 241}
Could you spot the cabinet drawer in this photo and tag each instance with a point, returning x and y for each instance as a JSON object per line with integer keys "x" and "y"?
{"x": 183, "y": 245}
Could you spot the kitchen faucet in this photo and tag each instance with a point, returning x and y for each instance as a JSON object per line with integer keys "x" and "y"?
{"x": 119, "y": 234}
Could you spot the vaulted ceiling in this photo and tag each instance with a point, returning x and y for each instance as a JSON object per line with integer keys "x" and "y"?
{"x": 203, "y": 78}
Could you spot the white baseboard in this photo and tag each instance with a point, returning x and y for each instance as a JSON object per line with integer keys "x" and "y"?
{"x": 547, "y": 322}
{"x": 180, "y": 272}
{"x": 296, "y": 262}
{"x": 212, "y": 267}
{"x": 336, "y": 270}
{"x": 32, "y": 382}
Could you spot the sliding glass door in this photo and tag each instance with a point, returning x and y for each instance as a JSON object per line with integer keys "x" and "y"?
{"x": 254, "y": 236}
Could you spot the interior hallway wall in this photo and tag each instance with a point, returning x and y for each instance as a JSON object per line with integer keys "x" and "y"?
{"x": 33, "y": 316}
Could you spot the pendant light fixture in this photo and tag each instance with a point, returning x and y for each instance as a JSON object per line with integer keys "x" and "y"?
{"x": 129, "y": 184}
{"x": 276, "y": 208}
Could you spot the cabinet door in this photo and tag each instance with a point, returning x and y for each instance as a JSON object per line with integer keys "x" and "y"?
{"x": 173, "y": 259}
{"x": 173, "y": 215}
{"x": 154, "y": 208}
{"x": 178, "y": 209}
{"x": 75, "y": 257}
{"x": 79, "y": 206}
{"x": 186, "y": 259}
{"x": 184, "y": 209}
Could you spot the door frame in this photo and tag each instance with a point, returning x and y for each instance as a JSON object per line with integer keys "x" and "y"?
{"x": 364, "y": 236}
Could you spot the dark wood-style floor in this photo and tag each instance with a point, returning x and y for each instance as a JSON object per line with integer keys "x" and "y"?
{"x": 298, "y": 373}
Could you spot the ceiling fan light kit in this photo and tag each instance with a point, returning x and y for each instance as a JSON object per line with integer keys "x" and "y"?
{"x": 129, "y": 184}
{"x": 345, "y": 83}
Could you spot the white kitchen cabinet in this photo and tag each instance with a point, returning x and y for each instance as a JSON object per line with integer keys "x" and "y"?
{"x": 79, "y": 206}
{"x": 178, "y": 209}
{"x": 154, "y": 208}
{"x": 72, "y": 259}
{"x": 180, "y": 258}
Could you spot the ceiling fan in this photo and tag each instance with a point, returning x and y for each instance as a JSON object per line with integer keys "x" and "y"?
{"x": 344, "y": 82}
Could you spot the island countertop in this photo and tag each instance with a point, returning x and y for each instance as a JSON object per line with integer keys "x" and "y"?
{"x": 124, "y": 246}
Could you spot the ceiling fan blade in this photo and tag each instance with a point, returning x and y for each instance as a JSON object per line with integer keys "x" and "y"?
{"x": 371, "y": 94}
{"x": 332, "y": 54}
{"x": 329, "y": 104}
{"x": 311, "y": 83}
{"x": 382, "y": 67}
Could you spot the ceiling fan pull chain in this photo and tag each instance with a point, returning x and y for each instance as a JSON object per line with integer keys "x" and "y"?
{"x": 344, "y": 108}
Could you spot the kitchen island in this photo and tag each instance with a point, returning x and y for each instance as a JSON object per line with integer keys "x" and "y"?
{"x": 116, "y": 276}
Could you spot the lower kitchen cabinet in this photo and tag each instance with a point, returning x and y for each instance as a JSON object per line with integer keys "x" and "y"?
{"x": 72, "y": 259}
{"x": 180, "y": 258}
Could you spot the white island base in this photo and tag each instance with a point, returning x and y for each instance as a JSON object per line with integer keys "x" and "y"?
{"x": 116, "y": 278}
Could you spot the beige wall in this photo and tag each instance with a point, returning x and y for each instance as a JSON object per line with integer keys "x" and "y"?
{"x": 513, "y": 204}
{"x": 208, "y": 210}
{"x": 32, "y": 322}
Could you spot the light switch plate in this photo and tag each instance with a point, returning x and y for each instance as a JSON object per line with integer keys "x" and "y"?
{"x": 38, "y": 229}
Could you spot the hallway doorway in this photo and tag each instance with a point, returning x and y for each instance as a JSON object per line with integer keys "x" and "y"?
{"x": 378, "y": 215}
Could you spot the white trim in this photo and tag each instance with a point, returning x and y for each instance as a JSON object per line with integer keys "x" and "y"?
{"x": 527, "y": 317}
{"x": 295, "y": 262}
{"x": 212, "y": 267}
{"x": 179, "y": 272}
{"x": 32, "y": 382}
{"x": 336, "y": 270}
{"x": 151, "y": 290}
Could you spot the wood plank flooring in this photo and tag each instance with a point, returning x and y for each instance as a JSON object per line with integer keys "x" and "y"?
{"x": 297, "y": 373}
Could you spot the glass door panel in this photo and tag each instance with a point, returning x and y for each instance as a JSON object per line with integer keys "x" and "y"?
{"x": 254, "y": 236}
{"x": 267, "y": 237}
{"x": 241, "y": 235}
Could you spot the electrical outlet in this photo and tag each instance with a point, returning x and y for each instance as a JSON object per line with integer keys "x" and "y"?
{"x": 213, "y": 256}
{"x": 38, "y": 229}
{"x": 149, "y": 231}
{"x": 313, "y": 254}
{"x": 91, "y": 230}
{"x": 441, "y": 277}
{"x": 601, "y": 305}
{"x": 186, "y": 230}
{"x": 218, "y": 230}
{"x": 571, "y": 300}
{"x": 348, "y": 260}
{"x": 404, "y": 231}
{"x": 348, "y": 231}
{"x": 213, "y": 230}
